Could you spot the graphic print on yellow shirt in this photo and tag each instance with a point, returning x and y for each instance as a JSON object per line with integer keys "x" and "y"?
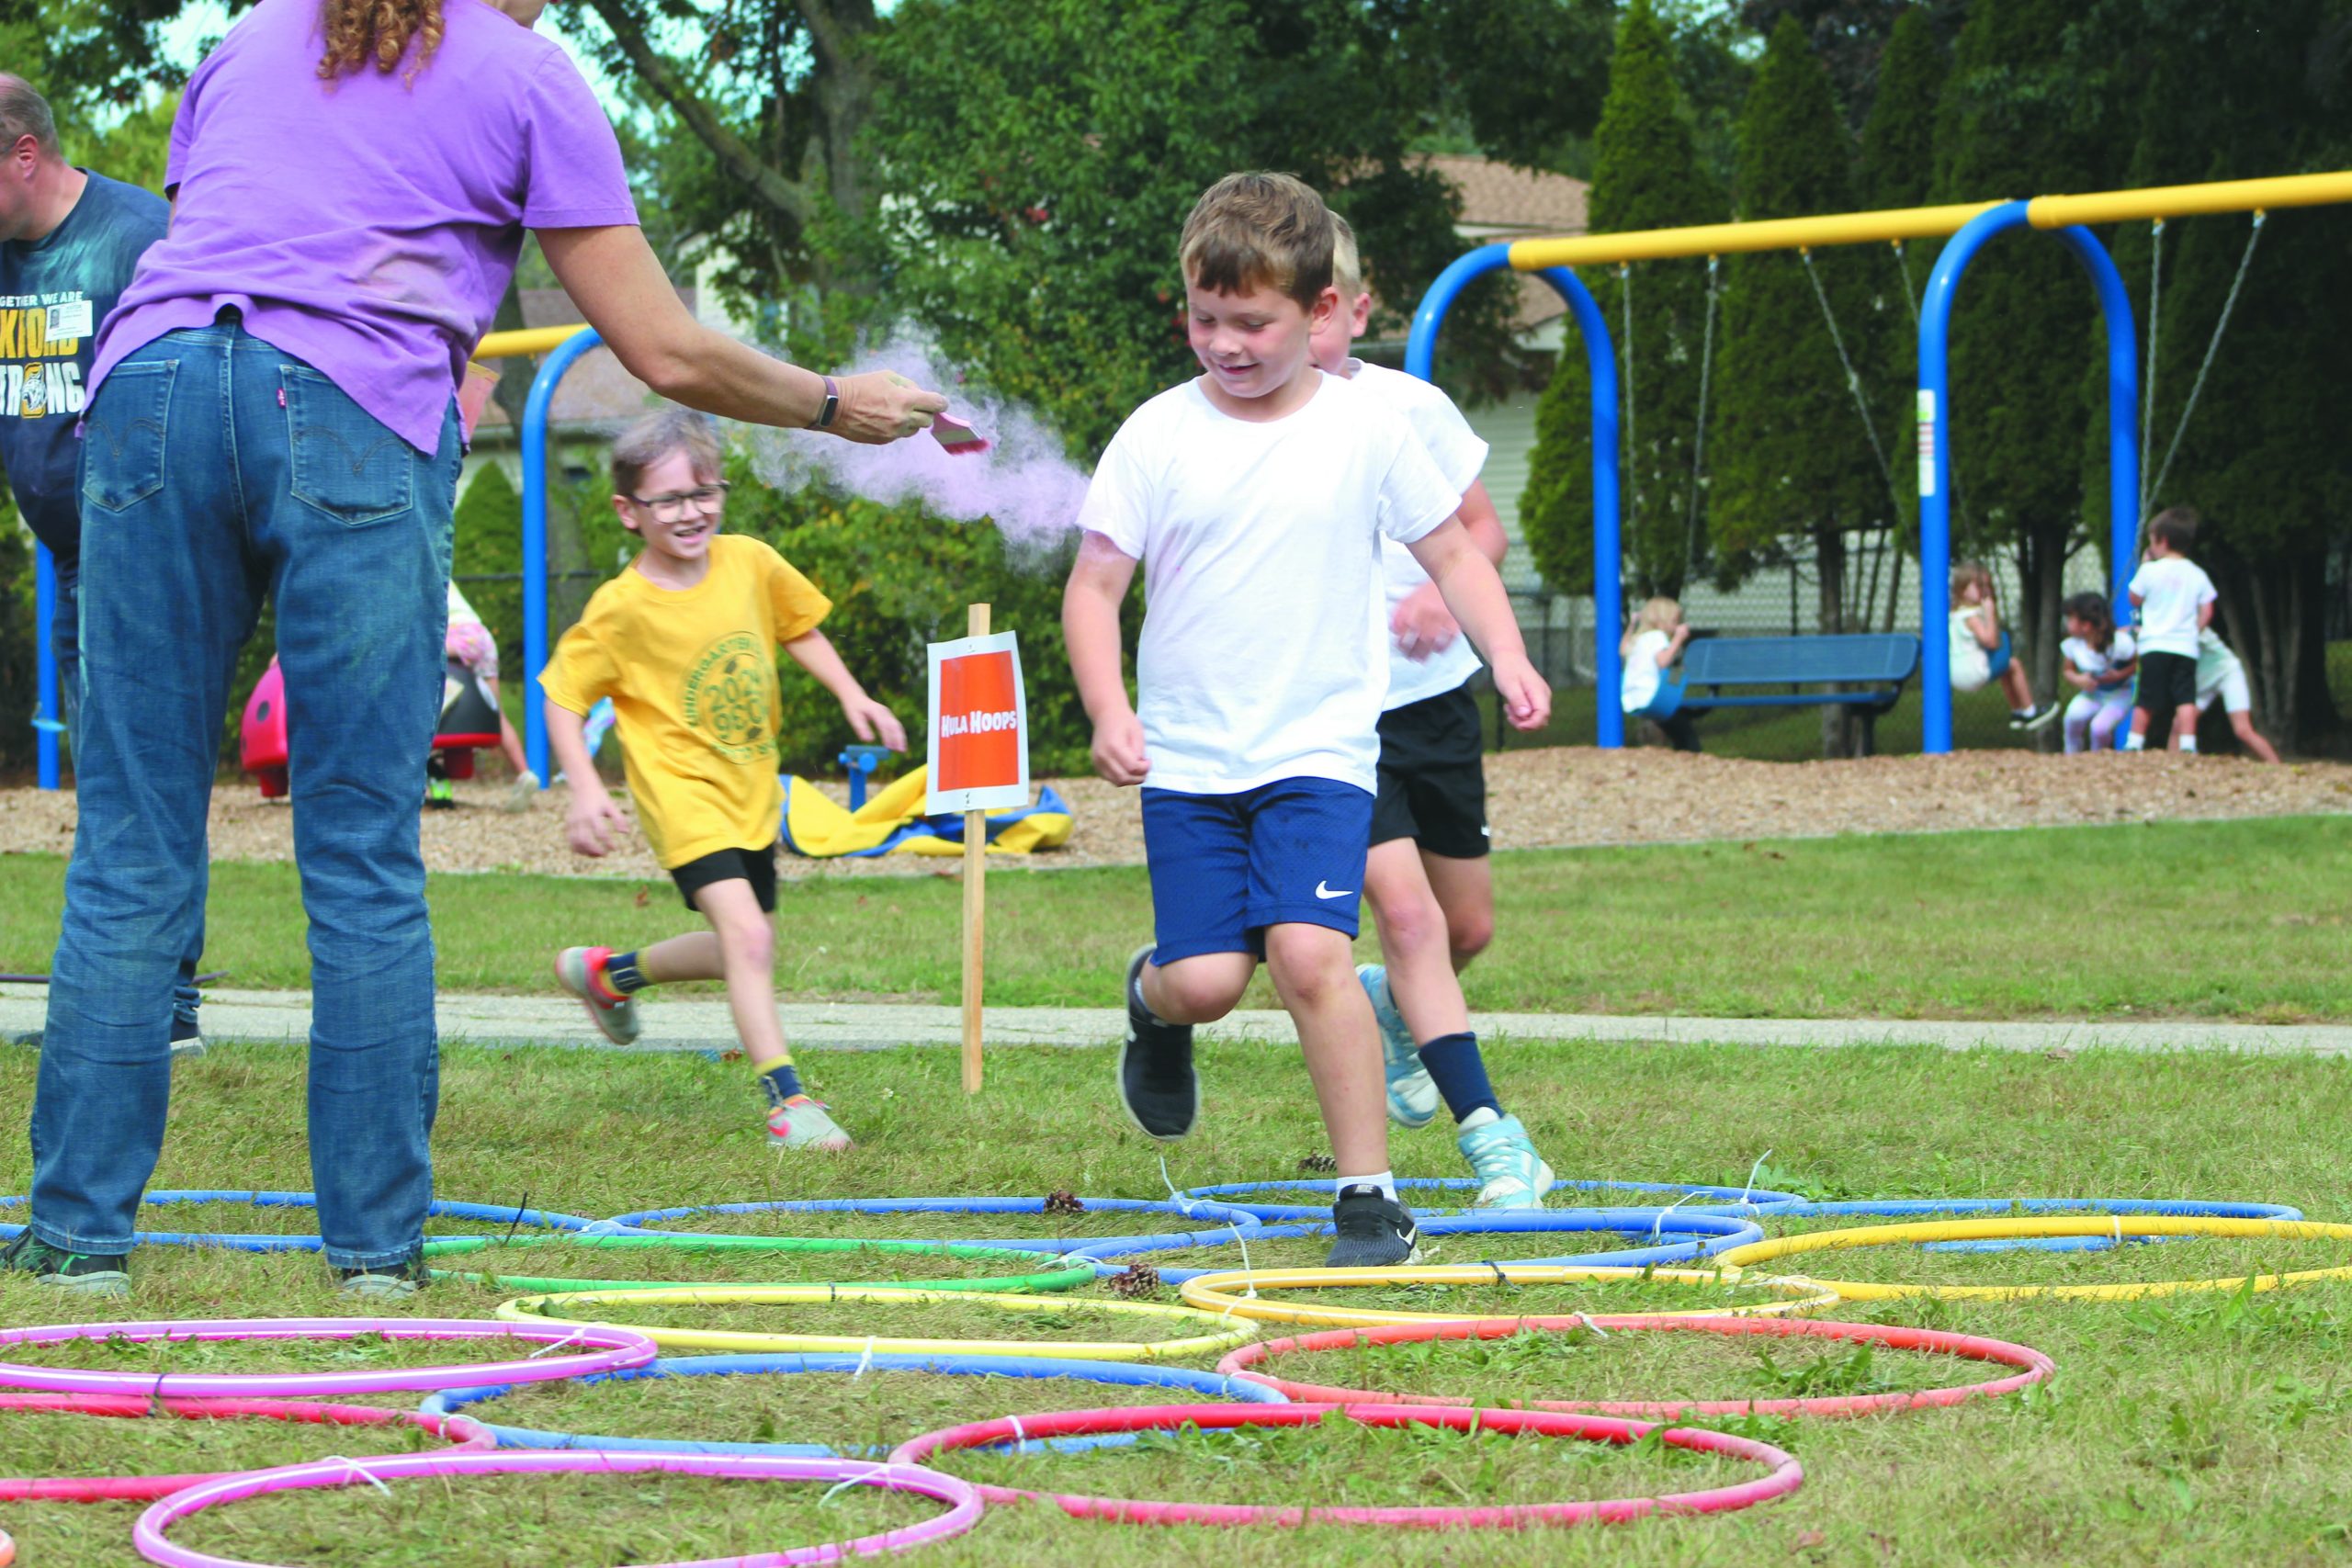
{"x": 692, "y": 676}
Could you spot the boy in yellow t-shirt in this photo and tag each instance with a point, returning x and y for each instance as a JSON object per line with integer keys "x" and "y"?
{"x": 684, "y": 644}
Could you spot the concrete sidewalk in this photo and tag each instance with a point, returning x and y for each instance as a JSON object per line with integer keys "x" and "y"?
{"x": 284, "y": 1017}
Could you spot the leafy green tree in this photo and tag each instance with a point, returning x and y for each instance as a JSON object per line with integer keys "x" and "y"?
{"x": 1646, "y": 174}
{"x": 1791, "y": 460}
{"x": 1898, "y": 138}
{"x": 2013, "y": 123}
{"x": 1853, "y": 38}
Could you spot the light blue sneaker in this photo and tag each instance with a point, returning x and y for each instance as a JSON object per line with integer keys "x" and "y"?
{"x": 1511, "y": 1175}
{"x": 1412, "y": 1095}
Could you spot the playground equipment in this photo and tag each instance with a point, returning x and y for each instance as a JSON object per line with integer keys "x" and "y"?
{"x": 469, "y": 724}
{"x": 1966, "y": 228}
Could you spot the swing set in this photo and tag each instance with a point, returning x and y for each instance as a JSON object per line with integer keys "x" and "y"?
{"x": 1965, "y": 228}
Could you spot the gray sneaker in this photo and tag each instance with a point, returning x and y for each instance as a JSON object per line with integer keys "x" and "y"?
{"x": 77, "y": 1273}
{"x": 187, "y": 1039}
{"x": 617, "y": 1020}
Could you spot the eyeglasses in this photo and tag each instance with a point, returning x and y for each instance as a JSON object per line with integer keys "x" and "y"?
{"x": 674, "y": 508}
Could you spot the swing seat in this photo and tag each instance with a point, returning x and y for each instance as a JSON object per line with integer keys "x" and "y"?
{"x": 1878, "y": 665}
{"x": 1665, "y": 703}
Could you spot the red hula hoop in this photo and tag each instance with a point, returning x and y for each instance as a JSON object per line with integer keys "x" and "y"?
{"x": 467, "y": 1434}
{"x": 2033, "y": 1366}
{"x": 1785, "y": 1473}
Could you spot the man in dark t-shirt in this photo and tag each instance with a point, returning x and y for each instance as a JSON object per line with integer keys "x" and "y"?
{"x": 70, "y": 242}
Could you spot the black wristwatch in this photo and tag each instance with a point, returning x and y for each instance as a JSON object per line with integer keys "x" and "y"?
{"x": 832, "y": 405}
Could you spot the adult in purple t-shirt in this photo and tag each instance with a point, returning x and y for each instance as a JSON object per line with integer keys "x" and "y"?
{"x": 274, "y": 416}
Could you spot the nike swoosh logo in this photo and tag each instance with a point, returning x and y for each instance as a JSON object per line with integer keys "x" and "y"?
{"x": 1324, "y": 890}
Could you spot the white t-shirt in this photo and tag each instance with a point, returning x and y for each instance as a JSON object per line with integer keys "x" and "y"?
{"x": 2170, "y": 591}
{"x": 1971, "y": 661}
{"x": 1641, "y": 672}
{"x": 1262, "y": 654}
{"x": 1459, "y": 454}
{"x": 2092, "y": 662}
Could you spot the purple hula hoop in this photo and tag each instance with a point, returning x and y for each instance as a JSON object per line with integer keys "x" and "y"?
{"x": 604, "y": 1348}
{"x": 962, "y": 1497}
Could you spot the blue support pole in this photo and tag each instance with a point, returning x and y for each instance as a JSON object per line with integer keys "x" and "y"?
{"x": 49, "y": 715}
{"x": 1935, "y": 442}
{"x": 1601, "y": 355}
{"x": 535, "y": 542}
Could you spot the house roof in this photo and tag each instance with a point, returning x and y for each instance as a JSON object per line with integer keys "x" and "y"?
{"x": 596, "y": 395}
{"x": 1500, "y": 202}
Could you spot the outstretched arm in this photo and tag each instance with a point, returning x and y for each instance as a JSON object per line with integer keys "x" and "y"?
{"x": 814, "y": 652}
{"x": 1098, "y": 584}
{"x": 592, "y": 823}
{"x": 1474, "y": 592}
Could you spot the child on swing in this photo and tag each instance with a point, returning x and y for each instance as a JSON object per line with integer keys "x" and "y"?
{"x": 1649, "y": 648}
{"x": 1981, "y": 652}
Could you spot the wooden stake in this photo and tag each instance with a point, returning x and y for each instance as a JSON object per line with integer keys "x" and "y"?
{"x": 975, "y": 860}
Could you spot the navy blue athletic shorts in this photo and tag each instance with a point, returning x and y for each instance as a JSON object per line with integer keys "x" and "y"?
{"x": 1224, "y": 867}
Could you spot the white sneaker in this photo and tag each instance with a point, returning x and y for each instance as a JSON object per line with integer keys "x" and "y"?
{"x": 573, "y": 967}
{"x": 801, "y": 1123}
{"x": 1412, "y": 1093}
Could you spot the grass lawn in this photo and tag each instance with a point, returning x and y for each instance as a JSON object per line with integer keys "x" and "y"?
{"x": 2217, "y": 920}
{"x": 2191, "y": 1429}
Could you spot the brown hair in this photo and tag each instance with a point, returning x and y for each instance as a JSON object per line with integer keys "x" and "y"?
{"x": 2093, "y": 610}
{"x": 1347, "y": 262}
{"x": 653, "y": 436}
{"x": 1258, "y": 231}
{"x": 2177, "y": 526}
{"x": 1968, "y": 571}
{"x": 364, "y": 32}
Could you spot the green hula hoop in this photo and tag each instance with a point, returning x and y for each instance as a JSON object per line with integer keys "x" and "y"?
{"x": 1059, "y": 1279}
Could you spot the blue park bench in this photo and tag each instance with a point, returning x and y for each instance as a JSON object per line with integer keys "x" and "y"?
{"x": 1868, "y": 669}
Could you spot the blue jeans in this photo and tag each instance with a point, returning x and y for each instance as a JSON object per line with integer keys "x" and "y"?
{"x": 216, "y": 469}
{"x": 66, "y": 644}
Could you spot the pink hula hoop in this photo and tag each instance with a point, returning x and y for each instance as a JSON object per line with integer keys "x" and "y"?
{"x": 606, "y": 1348}
{"x": 2033, "y": 1366}
{"x": 963, "y": 1499}
{"x": 1785, "y": 1473}
{"x": 468, "y": 1435}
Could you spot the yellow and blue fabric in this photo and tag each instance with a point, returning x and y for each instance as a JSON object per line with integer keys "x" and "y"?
{"x": 892, "y": 821}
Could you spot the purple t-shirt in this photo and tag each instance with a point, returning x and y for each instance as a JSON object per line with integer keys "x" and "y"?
{"x": 369, "y": 225}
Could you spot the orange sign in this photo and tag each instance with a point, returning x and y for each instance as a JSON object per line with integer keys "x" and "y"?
{"x": 979, "y": 726}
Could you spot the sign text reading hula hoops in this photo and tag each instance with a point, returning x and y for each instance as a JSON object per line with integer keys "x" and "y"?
{"x": 978, "y": 731}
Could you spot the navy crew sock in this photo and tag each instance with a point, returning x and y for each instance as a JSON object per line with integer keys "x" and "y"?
{"x": 622, "y": 973}
{"x": 781, "y": 1081}
{"x": 1460, "y": 1074}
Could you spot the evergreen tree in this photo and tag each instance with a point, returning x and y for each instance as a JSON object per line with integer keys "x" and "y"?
{"x": 1791, "y": 459}
{"x": 1646, "y": 174}
{"x": 2009, "y": 124}
{"x": 2262, "y": 457}
{"x": 1898, "y": 161}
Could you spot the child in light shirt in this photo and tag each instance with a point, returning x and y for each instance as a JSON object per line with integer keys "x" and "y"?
{"x": 2099, "y": 662}
{"x": 1255, "y": 496}
{"x": 2175, "y": 599}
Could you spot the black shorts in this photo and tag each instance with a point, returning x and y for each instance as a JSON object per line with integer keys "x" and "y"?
{"x": 1434, "y": 776}
{"x": 2167, "y": 680}
{"x": 755, "y": 867}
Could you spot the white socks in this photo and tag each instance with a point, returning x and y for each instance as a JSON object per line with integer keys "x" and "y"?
{"x": 2189, "y": 744}
{"x": 2135, "y": 741}
{"x": 1384, "y": 1179}
{"x": 1483, "y": 1116}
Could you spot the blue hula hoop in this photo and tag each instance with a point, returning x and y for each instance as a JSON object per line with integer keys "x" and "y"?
{"x": 1900, "y": 1208}
{"x": 1224, "y": 1214}
{"x": 1750, "y": 1202}
{"x": 1678, "y": 1236}
{"x": 1131, "y": 1374}
{"x": 248, "y": 1241}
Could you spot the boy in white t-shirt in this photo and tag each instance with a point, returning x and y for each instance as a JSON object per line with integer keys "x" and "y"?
{"x": 2175, "y": 599}
{"x": 1256, "y": 495}
{"x": 1426, "y": 878}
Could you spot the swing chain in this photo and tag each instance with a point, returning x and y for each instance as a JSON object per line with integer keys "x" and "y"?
{"x": 1853, "y": 378}
{"x": 2148, "y": 381}
{"x": 1699, "y": 440}
{"x": 1631, "y": 483}
{"x": 2196, "y": 388}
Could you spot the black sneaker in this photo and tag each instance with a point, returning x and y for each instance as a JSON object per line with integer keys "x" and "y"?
{"x": 187, "y": 1039}
{"x": 84, "y": 1274}
{"x": 1156, "y": 1083}
{"x": 1374, "y": 1232}
{"x": 385, "y": 1281}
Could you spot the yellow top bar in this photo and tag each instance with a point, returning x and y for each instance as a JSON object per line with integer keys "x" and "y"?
{"x": 530, "y": 339}
{"x": 2190, "y": 201}
{"x": 1766, "y": 234}
{"x": 1928, "y": 222}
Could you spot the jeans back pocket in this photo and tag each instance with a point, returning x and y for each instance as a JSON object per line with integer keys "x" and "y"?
{"x": 122, "y": 435}
{"x": 345, "y": 462}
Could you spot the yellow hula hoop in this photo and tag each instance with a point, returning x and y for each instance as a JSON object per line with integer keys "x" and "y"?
{"x": 1227, "y": 1333}
{"x": 2008, "y": 1228}
{"x": 1219, "y": 1292}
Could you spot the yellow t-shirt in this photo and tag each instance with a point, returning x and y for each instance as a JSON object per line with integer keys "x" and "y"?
{"x": 692, "y": 676}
